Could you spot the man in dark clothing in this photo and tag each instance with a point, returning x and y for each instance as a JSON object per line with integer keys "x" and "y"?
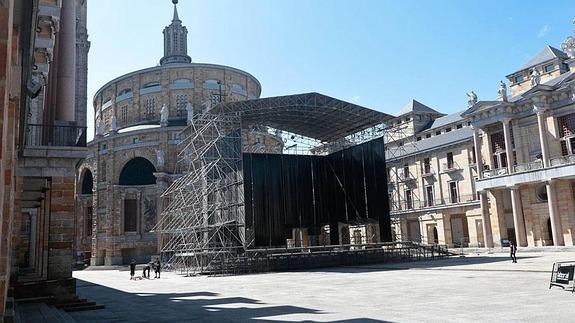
{"x": 146, "y": 268}
{"x": 132, "y": 269}
{"x": 158, "y": 268}
{"x": 513, "y": 249}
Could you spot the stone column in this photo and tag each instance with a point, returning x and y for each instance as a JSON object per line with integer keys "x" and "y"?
{"x": 542, "y": 134}
{"x": 508, "y": 145}
{"x": 518, "y": 220}
{"x": 478, "y": 157}
{"x": 486, "y": 217}
{"x": 66, "y": 97}
{"x": 556, "y": 228}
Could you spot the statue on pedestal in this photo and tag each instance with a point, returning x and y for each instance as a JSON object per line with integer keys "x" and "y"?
{"x": 114, "y": 124}
{"x": 190, "y": 111}
{"x": 164, "y": 114}
{"x": 100, "y": 127}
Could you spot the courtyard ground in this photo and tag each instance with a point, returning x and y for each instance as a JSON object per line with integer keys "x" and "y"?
{"x": 484, "y": 287}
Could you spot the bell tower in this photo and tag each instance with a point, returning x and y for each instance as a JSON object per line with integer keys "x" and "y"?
{"x": 175, "y": 41}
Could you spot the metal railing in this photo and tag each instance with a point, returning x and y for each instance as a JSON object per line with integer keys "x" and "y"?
{"x": 53, "y": 135}
{"x": 419, "y": 204}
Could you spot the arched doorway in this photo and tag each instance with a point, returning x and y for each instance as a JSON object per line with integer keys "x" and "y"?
{"x": 138, "y": 171}
{"x": 85, "y": 225}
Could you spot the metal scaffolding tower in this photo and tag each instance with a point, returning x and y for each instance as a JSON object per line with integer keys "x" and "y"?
{"x": 203, "y": 225}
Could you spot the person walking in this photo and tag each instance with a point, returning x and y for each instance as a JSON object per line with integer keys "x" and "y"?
{"x": 132, "y": 269}
{"x": 513, "y": 249}
{"x": 157, "y": 269}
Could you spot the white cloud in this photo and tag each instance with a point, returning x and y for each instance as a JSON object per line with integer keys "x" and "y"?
{"x": 543, "y": 31}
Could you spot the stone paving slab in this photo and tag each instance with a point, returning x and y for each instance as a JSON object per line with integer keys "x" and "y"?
{"x": 484, "y": 287}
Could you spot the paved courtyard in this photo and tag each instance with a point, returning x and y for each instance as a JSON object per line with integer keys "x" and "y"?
{"x": 485, "y": 287}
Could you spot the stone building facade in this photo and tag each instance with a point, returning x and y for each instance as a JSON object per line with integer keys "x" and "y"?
{"x": 500, "y": 170}
{"x": 43, "y": 138}
{"x": 134, "y": 156}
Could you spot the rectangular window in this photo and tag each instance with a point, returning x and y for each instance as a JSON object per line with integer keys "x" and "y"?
{"x": 437, "y": 133}
{"x": 519, "y": 78}
{"x": 181, "y": 102}
{"x": 150, "y": 105}
{"x": 130, "y": 215}
{"x": 450, "y": 164}
{"x": 548, "y": 68}
{"x": 418, "y": 138}
{"x": 459, "y": 126}
{"x": 88, "y": 222}
{"x": 124, "y": 113}
{"x": 448, "y": 129}
{"x": 453, "y": 192}
{"x": 428, "y": 135}
{"x": 408, "y": 200}
{"x": 429, "y": 195}
{"x": 426, "y": 166}
{"x": 406, "y": 171}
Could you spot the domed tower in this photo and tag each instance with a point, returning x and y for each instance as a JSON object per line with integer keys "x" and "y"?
{"x": 175, "y": 41}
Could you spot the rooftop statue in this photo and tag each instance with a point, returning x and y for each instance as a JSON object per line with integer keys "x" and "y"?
{"x": 502, "y": 91}
{"x": 114, "y": 124}
{"x": 472, "y": 99}
{"x": 100, "y": 127}
{"x": 535, "y": 77}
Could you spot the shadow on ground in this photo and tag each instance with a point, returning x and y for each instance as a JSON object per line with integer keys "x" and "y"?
{"x": 443, "y": 264}
{"x": 178, "y": 307}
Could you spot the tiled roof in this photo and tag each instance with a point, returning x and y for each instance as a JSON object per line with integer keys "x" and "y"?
{"x": 428, "y": 144}
{"x": 548, "y": 53}
{"x": 416, "y": 106}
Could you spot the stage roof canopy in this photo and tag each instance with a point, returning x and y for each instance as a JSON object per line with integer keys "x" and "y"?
{"x": 312, "y": 115}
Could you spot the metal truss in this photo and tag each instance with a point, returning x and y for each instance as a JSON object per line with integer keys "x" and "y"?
{"x": 400, "y": 149}
{"x": 202, "y": 228}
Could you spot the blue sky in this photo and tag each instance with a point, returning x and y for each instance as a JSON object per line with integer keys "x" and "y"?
{"x": 377, "y": 53}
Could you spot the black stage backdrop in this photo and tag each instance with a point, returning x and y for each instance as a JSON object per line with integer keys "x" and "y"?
{"x": 290, "y": 191}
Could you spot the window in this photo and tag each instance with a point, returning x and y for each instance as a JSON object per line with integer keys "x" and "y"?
{"x": 151, "y": 84}
{"x": 548, "y": 68}
{"x": 418, "y": 138}
{"x": 429, "y": 195}
{"x": 135, "y": 140}
{"x": 453, "y": 192}
{"x": 124, "y": 113}
{"x": 212, "y": 84}
{"x": 437, "y": 133}
{"x": 125, "y": 91}
{"x": 450, "y": 164}
{"x": 181, "y": 102}
{"x": 150, "y": 106}
{"x": 406, "y": 171}
{"x": 130, "y": 215}
{"x": 428, "y": 135}
{"x": 239, "y": 89}
{"x": 459, "y": 126}
{"x": 407, "y": 119}
{"x": 567, "y": 134}
{"x": 408, "y": 199}
{"x": 88, "y": 220}
{"x": 498, "y": 149}
{"x": 427, "y": 166}
{"x": 448, "y": 129}
{"x": 473, "y": 157}
{"x": 519, "y": 78}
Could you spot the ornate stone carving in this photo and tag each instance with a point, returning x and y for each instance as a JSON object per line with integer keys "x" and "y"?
{"x": 472, "y": 99}
{"x": 502, "y": 91}
{"x": 164, "y": 114}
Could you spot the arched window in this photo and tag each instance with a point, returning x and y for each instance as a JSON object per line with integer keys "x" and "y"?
{"x": 212, "y": 84}
{"x": 138, "y": 171}
{"x": 239, "y": 89}
{"x": 87, "y": 182}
